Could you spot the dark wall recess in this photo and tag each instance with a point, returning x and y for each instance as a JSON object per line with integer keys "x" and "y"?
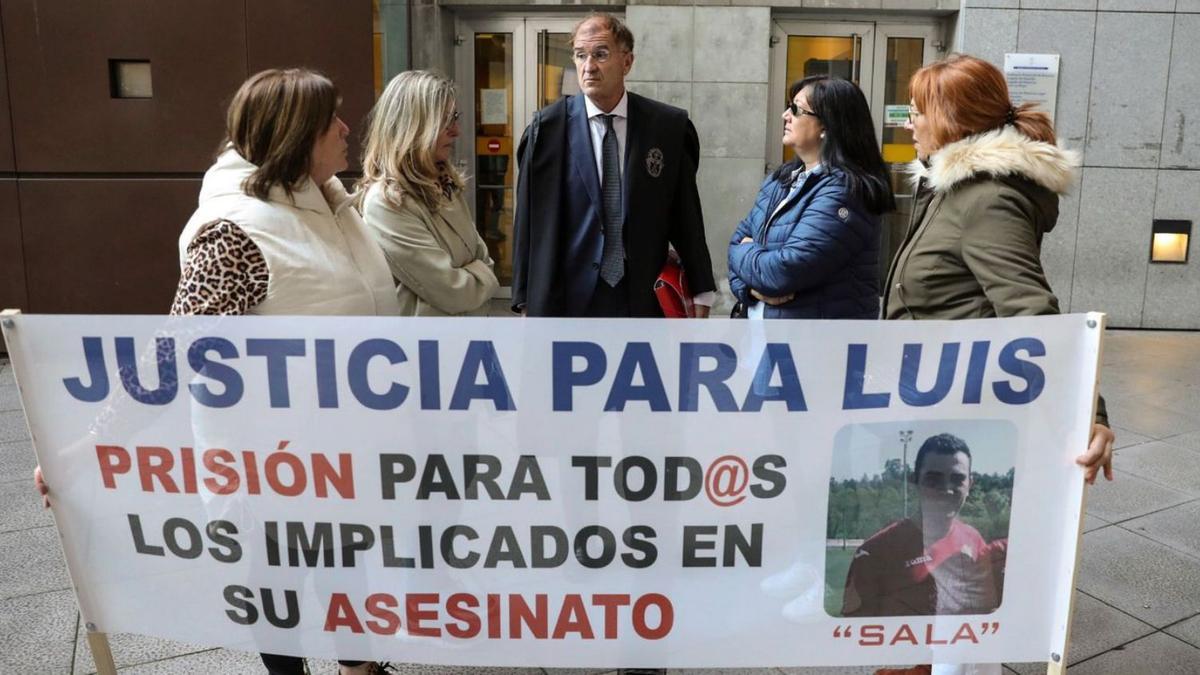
{"x": 64, "y": 116}
{"x": 111, "y": 111}
{"x": 130, "y": 78}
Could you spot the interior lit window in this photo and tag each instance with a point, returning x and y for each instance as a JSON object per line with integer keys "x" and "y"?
{"x": 130, "y": 78}
{"x": 1170, "y": 247}
{"x": 1169, "y": 241}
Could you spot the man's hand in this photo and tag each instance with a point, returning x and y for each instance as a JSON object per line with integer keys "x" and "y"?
{"x": 701, "y": 311}
{"x": 772, "y": 300}
{"x": 40, "y": 483}
{"x": 1099, "y": 454}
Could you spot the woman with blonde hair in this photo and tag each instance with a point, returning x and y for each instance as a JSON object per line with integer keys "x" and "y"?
{"x": 412, "y": 200}
{"x": 988, "y": 178}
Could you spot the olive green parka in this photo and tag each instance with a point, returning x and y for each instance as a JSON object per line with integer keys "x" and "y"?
{"x": 973, "y": 245}
{"x": 972, "y": 250}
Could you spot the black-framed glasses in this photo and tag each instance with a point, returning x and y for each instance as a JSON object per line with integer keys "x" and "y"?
{"x": 797, "y": 111}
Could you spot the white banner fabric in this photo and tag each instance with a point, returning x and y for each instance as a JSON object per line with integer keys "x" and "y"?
{"x": 563, "y": 493}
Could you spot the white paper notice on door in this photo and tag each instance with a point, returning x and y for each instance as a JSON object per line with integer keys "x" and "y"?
{"x": 1033, "y": 78}
{"x": 493, "y": 105}
{"x": 895, "y": 115}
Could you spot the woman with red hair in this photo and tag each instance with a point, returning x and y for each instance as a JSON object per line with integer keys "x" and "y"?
{"x": 988, "y": 177}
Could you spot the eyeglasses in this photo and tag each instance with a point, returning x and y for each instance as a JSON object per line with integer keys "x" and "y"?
{"x": 913, "y": 115}
{"x": 599, "y": 55}
{"x": 797, "y": 111}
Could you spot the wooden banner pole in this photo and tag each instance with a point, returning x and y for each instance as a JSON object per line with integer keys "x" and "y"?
{"x": 102, "y": 653}
{"x": 1057, "y": 665}
{"x": 97, "y": 641}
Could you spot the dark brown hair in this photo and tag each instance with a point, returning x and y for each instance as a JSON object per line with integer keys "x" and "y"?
{"x": 941, "y": 444}
{"x": 849, "y": 139}
{"x": 963, "y": 95}
{"x": 620, "y": 32}
{"x": 274, "y": 121}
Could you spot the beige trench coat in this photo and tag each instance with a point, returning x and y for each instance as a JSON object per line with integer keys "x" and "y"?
{"x": 440, "y": 263}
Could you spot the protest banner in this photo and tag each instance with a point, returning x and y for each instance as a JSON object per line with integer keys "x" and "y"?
{"x": 564, "y": 493}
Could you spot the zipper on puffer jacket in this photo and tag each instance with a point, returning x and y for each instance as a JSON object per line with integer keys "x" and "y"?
{"x": 774, "y": 211}
{"x": 761, "y": 236}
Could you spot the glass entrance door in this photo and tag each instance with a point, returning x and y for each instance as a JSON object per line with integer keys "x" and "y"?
{"x": 805, "y": 48}
{"x": 552, "y": 64}
{"x": 506, "y": 69}
{"x": 490, "y": 84}
{"x": 900, "y": 50}
{"x": 880, "y": 58}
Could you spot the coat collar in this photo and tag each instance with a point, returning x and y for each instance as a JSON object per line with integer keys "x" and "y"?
{"x": 790, "y": 196}
{"x": 225, "y": 178}
{"x": 1000, "y": 152}
{"x": 621, "y": 110}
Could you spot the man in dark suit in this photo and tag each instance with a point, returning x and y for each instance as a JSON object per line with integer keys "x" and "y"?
{"x": 607, "y": 180}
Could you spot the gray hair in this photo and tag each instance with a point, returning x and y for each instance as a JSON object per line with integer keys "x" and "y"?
{"x": 620, "y": 32}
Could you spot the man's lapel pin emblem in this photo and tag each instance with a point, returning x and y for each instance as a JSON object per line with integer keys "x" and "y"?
{"x": 654, "y": 162}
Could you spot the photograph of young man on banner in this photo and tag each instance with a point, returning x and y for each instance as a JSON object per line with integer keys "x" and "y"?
{"x": 919, "y": 534}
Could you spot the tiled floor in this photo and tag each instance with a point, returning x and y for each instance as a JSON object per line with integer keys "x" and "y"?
{"x": 1138, "y": 603}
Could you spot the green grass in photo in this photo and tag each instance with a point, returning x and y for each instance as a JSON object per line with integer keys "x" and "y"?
{"x": 837, "y": 564}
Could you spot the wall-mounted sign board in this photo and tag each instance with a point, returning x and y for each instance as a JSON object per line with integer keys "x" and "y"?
{"x": 1033, "y": 78}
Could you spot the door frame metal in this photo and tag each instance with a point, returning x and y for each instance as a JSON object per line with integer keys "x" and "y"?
{"x": 780, "y": 30}
{"x": 464, "y": 78}
{"x": 926, "y": 31}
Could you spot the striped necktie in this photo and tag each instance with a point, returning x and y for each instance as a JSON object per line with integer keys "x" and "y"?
{"x": 612, "y": 265}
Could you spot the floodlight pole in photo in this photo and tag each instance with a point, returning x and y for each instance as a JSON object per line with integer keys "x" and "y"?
{"x": 905, "y": 438}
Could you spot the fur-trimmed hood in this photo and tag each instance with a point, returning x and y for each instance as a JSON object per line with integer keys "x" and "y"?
{"x": 1001, "y": 152}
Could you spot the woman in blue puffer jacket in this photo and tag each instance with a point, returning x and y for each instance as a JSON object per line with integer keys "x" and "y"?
{"x": 810, "y": 247}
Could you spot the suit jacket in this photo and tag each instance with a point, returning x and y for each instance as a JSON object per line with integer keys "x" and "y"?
{"x": 559, "y": 233}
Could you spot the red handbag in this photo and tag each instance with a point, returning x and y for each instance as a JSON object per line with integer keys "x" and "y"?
{"x": 671, "y": 289}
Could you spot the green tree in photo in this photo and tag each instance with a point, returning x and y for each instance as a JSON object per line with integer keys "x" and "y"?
{"x": 858, "y": 508}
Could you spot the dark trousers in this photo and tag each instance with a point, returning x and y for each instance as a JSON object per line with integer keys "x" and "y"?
{"x": 278, "y": 664}
{"x": 609, "y": 301}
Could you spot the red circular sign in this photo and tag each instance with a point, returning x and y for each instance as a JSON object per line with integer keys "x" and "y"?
{"x": 493, "y": 145}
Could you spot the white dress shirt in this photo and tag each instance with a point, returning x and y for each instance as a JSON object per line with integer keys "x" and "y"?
{"x": 621, "y": 128}
{"x": 597, "y": 127}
